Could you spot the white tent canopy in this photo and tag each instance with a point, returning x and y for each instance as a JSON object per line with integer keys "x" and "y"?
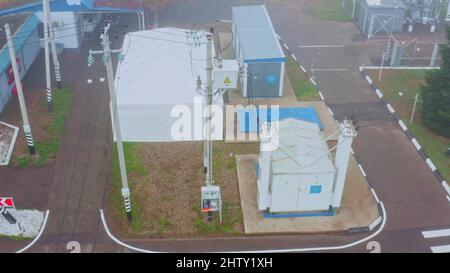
{"x": 159, "y": 71}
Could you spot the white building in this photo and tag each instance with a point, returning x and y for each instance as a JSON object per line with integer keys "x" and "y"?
{"x": 156, "y": 79}
{"x": 296, "y": 169}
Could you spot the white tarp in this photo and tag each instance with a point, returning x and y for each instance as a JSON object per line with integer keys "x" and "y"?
{"x": 159, "y": 71}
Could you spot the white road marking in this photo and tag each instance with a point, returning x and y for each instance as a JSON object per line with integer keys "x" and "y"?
{"x": 436, "y": 233}
{"x": 362, "y": 170}
{"x": 400, "y": 67}
{"x": 321, "y": 96}
{"x": 375, "y": 195}
{"x": 331, "y": 112}
{"x": 313, "y": 81}
{"x": 323, "y": 46}
{"x": 311, "y": 249}
{"x": 329, "y": 69}
{"x": 303, "y": 68}
{"x": 441, "y": 249}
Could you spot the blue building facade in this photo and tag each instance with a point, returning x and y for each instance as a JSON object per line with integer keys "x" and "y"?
{"x": 259, "y": 52}
{"x": 27, "y": 47}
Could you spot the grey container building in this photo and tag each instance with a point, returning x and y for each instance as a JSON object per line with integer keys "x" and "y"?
{"x": 377, "y": 14}
{"x": 261, "y": 58}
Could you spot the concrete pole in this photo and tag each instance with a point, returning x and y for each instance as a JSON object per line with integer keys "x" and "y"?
{"x": 23, "y": 107}
{"x": 347, "y": 133}
{"x": 48, "y": 79}
{"x": 209, "y": 86}
{"x": 139, "y": 20}
{"x": 435, "y": 53}
{"x": 209, "y": 90}
{"x": 382, "y": 64}
{"x": 116, "y": 122}
{"x": 143, "y": 20}
{"x": 414, "y": 108}
{"x": 56, "y": 64}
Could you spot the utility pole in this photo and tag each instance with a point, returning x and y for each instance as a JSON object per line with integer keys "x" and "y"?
{"x": 382, "y": 65}
{"x": 23, "y": 107}
{"x": 48, "y": 79}
{"x": 211, "y": 197}
{"x": 414, "y": 108}
{"x": 114, "y": 117}
{"x": 209, "y": 90}
{"x": 56, "y": 65}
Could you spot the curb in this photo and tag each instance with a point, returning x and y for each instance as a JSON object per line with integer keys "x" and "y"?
{"x": 407, "y": 132}
{"x": 317, "y": 88}
{"x": 41, "y": 231}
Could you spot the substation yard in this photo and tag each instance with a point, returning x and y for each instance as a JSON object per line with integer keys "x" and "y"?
{"x": 165, "y": 181}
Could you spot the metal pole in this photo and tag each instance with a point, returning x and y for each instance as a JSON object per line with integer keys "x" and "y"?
{"x": 23, "y": 107}
{"x": 414, "y": 108}
{"x": 116, "y": 122}
{"x": 48, "y": 79}
{"x": 56, "y": 65}
{"x": 381, "y": 66}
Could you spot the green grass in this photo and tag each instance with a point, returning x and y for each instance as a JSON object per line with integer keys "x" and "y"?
{"x": 303, "y": 88}
{"x": 408, "y": 82}
{"x": 163, "y": 224}
{"x": 231, "y": 216}
{"x": 15, "y": 237}
{"x": 47, "y": 148}
{"x": 328, "y": 10}
{"x": 134, "y": 169}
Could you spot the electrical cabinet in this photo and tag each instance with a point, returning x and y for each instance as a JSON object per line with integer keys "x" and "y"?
{"x": 226, "y": 74}
{"x": 211, "y": 199}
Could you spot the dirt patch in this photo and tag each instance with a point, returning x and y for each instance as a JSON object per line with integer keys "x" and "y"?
{"x": 6, "y": 138}
{"x": 167, "y": 200}
{"x": 37, "y": 112}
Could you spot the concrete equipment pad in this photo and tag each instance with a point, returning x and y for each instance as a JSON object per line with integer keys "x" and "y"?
{"x": 358, "y": 208}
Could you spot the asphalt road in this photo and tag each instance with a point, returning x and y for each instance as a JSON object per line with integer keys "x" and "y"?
{"x": 413, "y": 198}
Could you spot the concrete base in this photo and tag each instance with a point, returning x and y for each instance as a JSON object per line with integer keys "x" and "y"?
{"x": 358, "y": 208}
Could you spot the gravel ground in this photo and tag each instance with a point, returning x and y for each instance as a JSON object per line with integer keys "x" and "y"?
{"x": 30, "y": 223}
{"x": 6, "y": 136}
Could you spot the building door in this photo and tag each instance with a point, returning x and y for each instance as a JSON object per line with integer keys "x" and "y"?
{"x": 264, "y": 80}
{"x": 285, "y": 193}
{"x": 313, "y": 194}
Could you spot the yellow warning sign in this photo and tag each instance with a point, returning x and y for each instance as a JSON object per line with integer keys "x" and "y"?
{"x": 227, "y": 81}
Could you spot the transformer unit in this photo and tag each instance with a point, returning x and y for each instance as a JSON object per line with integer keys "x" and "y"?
{"x": 423, "y": 11}
{"x": 382, "y": 14}
{"x": 296, "y": 172}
